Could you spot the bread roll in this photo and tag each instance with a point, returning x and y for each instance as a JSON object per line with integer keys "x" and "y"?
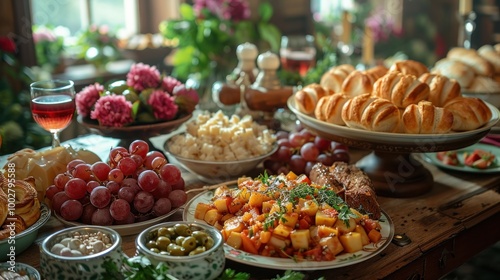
{"x": 425, "y": 118}
{"x": 329, "y": 108}
{"x": 307, "y": 98}
{"x": 371, "y": 113}
{"x": 442, "y": 89}
{"x": 401, "y": 89}
{"x": 377, "y": 72}
{"x": 335, "y": 76}
{"x": 411, "y": 67}
{"x": 482, "y": 84}
{"x": 468, "y": 113}
{"x": 456, "y": 70}
{"x": 471, "y": 58}
{"x": 491, "y": 55}
{"x": 358, "y": 83}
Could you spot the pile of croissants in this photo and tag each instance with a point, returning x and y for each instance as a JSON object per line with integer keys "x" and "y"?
{"x": 19, "y": 205}
{"x": 404, "y": 98}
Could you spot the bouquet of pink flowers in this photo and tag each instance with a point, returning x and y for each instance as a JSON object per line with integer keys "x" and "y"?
{"x": 145, "y": 97}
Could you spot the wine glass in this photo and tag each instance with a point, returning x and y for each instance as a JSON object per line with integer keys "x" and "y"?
{"x": 53, "y": 105}
{"x": 298, "y": 53}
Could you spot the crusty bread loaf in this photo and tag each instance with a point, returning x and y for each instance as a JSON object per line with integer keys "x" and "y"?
{"x": 335, "y": 76}
{"x": 358, "y": 83}
{"x": 371, "y": 113}
{"x": 307, "y": 97}
{"x": 468, "y": 113}
{"x": 470, "y": 57}
{"x": 456, "y": 70}
{"x": 377, "y": 72}
{"x": 425, "y": 118}
{"x": 401, "y": 89}
{"x": 409, "y": 66}
{"x": 329, "y": 108}
{"x": 482, "y": 84}
{"x": 489, "y": 53}
{"x": 442, "y": 89}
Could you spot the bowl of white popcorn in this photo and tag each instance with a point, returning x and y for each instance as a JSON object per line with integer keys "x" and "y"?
{"x": 218, "y": 148}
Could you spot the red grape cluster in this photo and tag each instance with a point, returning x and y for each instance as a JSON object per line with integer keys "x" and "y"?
{"x": 300, "y": 149}
{"x": 134, "y": 185}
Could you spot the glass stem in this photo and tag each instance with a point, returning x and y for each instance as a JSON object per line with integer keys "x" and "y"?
{"x": 55, "y": 139}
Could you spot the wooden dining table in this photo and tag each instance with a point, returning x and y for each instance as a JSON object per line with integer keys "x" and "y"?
{"x": 435, "y": 232}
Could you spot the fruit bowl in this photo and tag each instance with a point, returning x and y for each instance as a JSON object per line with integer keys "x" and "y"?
{"x": 25, "y": 238}
{"x": 218, "y": 171}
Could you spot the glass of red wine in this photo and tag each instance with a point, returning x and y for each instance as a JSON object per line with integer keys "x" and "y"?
{"x": 53, "y": 105}
{"x": 298, "y": 53}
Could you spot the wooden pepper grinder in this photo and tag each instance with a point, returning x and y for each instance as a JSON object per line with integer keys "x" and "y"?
{"x": 228, "y": 93}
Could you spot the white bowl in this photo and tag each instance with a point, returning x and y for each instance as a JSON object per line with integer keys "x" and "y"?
{"x": 54, "y": 266}
{"x": 21, "y": 269}
{"x": 218, "y": 171}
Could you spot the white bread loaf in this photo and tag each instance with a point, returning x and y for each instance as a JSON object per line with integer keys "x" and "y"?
{"x": 468, "y": 113}
{"x": 307, "y": 97}
{"x": 456, "y": 70}
{"x": 357, "y": 83}
{"x": 411, "y": 67}
{"x": 442, "y": 89}
{"x": 371, "y": 113}
{"x": 329, "y": 108}
{"x": 401, "y": 89}
{"x": 335, "y": 76}
{"x": 471, "y": 58}
{"x": 489, "y": 53}
{"x": 482, "y": 84}
{"x": 425, "y": 118}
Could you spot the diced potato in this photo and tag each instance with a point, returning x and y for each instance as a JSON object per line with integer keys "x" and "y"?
{"x": 300, "y": 239}
{"x": 212, "y": 216}
{"x": 201, "y": 210}
{"x": 277, "y": 242}
{"x": 308, "y": 207}
{"x": 265, "y": 236}
{"x": 351, "y": 242}
{"x": 234, "y": 240}
{"x": 345, "y": 227}
{"x": 374, "y": 235}
{"x": 289, "y": 219}
{"x": 244, "y": 194}
{"x": 234, "y": 224}
{"x": 267, "y": 206}
{"x": 256, "y": 199}
{"x": 326, "y": 217}
{"x": 364, "y": 236}
{"x": 221, "y": 205}
{"x": 358, "y": 214}
{"x": 283, "y": 231}
{"x": 325, "y": 231}
{"x": 291, "y": 176}
{"x": 218, "y": 225}
{"x": 235, "y": 205}
{"x": 226, "y": 217}
{"x": 333, "y": 244}
{"x": 221, "y": 191}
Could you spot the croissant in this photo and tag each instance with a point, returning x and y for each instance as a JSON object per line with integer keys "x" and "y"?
{"x": 471, "y": 58}
{"x": 335, "y": 76}
{"x": 441, "y": 88}
{"x": 401, "y": 89}
{"x": 19, "y": 226}
{"x": 329, "y": 108}
{"x": 468, "y": 113}
{"x": 371, "y": 113}
{"x": 26, "y": 201}
{"x": 456, "y": 70}
{"x": 425, "y": 118}
{"x": 307, "y": 98}
{"x": 411, "y": 67}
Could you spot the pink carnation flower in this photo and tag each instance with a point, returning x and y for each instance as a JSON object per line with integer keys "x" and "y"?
{"x": 186, "y": 98}
{"x": 142, "y": 76}
{"x": 86, "y": 98}
{"x": 169, "y": 83}
{"x": 112, "y": 110}
{"x": 164, "y": 107}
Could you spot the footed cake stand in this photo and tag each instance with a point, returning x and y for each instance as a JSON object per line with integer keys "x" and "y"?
{"x": 391, "y": 166}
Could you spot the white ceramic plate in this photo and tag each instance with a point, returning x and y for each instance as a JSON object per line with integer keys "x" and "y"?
{"x": 387, "y": 137}
{"x": 341, "y": 260}
{"x": 125, "y": 230}
{"x": 494, "y": 168}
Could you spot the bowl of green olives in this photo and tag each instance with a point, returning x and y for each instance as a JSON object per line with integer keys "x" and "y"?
{"x": 190, "y": 250}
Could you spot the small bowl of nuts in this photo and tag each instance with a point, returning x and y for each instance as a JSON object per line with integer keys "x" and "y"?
{"x": 190, "y": 250}
{"x": 81, "y": 252}
{"x": 218, "y": 148}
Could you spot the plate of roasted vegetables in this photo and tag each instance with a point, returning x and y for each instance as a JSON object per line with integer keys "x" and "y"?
{"x": 478, "y": 158}
{"x": 289, "y": 222}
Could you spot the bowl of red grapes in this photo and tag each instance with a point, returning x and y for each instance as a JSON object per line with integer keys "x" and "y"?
{"x": 300, "y": 149}
{"x": 133, "y": 189}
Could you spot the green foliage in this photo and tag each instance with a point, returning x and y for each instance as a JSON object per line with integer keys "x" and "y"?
{"x": 49, "y": 48}
{"x": 208, "y": 39}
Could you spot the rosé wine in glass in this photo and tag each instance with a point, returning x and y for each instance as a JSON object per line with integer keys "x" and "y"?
{"x": 53, "y": 106}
